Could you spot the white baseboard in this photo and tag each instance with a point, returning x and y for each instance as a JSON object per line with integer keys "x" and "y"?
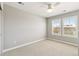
{"x": 65, "y": 42}
{"x": 37, "y": 41}
{"x": 21, "y": 45}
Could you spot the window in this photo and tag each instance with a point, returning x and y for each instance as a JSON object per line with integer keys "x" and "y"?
{"x": 66, "y": 26}
{"x": 56, "y": 26}
{"x": 70, "y": 26}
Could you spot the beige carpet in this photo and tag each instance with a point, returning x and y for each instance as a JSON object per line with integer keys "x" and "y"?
{"x": 45, "y": 48}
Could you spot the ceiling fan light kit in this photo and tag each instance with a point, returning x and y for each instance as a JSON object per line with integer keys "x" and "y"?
{"x": 52, "y": 6}
{"x": 49, "y": 8}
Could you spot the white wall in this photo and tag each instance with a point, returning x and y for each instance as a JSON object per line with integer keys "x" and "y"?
{"x": 0, "y": 31}
{"x": 22, "y": 27}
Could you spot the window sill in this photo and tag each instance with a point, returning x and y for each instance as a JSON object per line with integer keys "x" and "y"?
{"x": 65, "y": 36}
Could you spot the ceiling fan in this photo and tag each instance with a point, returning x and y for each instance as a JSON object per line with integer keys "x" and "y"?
{"x": 50, "y": 5}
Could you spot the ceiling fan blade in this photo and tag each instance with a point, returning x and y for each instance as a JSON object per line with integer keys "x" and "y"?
{"x": 56, "y": 4}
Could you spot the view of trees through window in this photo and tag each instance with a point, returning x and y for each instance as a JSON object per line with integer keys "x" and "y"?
{"x": 69, "y": 26}
{"x": 56, "y": 26}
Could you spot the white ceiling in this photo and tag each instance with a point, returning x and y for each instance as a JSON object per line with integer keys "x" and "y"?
{"x": 40, "y": 8}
